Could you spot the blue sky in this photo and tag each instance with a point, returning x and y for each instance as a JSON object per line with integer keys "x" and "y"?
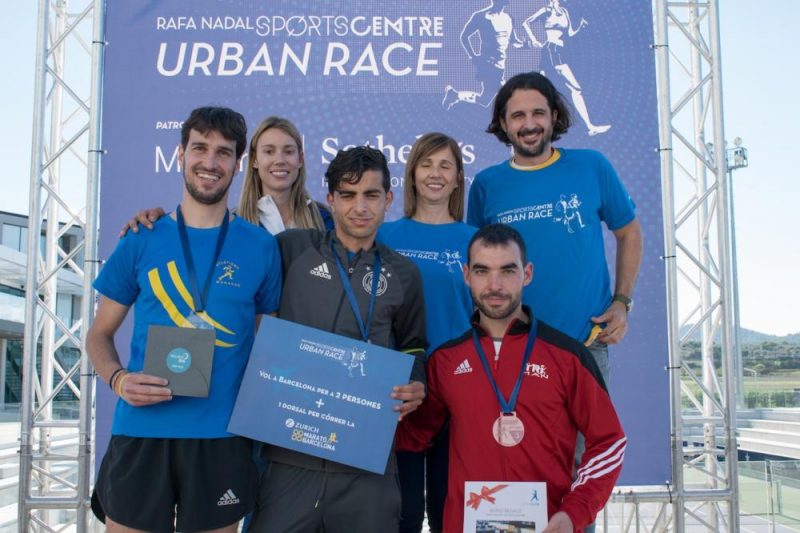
{"x": 761, "y": 74}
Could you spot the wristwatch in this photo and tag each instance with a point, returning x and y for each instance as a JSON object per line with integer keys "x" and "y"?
{"x": 624, "y": 300}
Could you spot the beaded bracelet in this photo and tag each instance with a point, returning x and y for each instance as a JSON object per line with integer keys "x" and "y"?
{"x": 120, "y": 382}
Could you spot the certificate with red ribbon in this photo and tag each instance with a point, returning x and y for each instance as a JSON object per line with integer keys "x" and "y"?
{"x": 505, "y": 506}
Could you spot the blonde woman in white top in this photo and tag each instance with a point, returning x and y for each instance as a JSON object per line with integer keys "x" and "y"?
{"x": 274, "y": 193}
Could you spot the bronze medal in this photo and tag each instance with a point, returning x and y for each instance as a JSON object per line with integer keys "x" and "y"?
{"x": 508, "y": 430}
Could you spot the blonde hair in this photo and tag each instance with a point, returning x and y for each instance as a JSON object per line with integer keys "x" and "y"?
{"x": 305, "y": 212}
{"x": 424, "y": 147}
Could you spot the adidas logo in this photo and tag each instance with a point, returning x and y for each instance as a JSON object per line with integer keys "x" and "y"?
{"x": 321, "y": 271}
{"x": 229, "y": 498}
{"x": 463, "y": 368}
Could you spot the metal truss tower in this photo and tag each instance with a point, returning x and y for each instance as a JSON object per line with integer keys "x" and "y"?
{"x": 697, "y": 230}
{"x": 56, "y": 436}
{"x": 699, "y": 273}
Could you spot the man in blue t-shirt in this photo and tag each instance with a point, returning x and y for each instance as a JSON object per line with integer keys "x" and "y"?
{"x": 557, "y": 198}
{"x": 206, "y": 276}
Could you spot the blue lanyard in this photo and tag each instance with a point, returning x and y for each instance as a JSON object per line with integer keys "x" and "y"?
{"x": 351, "y": 297}
{"x": 507, "y": 406}
{"x": 200, "y": 299}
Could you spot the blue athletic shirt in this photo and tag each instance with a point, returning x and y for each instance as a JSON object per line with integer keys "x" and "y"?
{"x": 439, "y": 251}
{"x": 557, "y": 207}
{"x": 147, "y": 270}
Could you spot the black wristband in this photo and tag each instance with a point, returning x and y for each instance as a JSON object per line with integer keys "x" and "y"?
{"x": 113, "y": 377}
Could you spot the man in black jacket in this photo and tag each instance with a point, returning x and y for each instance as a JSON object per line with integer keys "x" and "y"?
{"x": 385, "y": 306}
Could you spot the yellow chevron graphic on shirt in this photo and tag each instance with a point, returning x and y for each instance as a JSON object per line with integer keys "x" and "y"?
{"x": 187, "y": 297}
{"x": 172, "y": 310}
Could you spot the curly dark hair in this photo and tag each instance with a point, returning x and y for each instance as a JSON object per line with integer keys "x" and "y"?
{"x": 536, "y": 82}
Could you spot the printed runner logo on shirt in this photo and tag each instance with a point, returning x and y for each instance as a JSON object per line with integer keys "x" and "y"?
{"x": 449, "y": 258}
{"x": 228, "y": 276}
{"x": 568, "y": 212}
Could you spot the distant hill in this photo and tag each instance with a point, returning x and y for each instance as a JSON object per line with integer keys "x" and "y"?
{"x": 754, "y": 337}
{"x": 749, "y": 336}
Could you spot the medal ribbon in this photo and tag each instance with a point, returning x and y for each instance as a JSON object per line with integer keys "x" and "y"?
{"x": 200, "y": 298}
{"x": 351, "y": 297}
{"x": 506, "y": 406}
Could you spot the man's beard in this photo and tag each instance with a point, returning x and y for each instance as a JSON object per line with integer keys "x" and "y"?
{"x": 539, "y": 149}
{"x": 206, "y": 198}
{"x": 498, "y": 313}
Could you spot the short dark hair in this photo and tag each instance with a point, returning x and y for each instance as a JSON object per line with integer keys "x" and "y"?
{"x": 497, "y": 235}
{"x": 226, "y": 121}
{"x": 536, "y": 82}
{"x": 349, "y": 166}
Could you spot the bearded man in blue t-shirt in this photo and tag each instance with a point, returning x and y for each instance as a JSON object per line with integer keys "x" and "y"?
{"x": 202, "y": 276}
{"x": 557, "y": 198}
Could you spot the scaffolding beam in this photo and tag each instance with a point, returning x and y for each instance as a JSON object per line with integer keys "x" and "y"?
{"x": 58, "y": 393}
{"x": 698, "y": 263}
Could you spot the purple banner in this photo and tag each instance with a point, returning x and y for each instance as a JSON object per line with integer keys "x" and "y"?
{"x": 384, "y": 73}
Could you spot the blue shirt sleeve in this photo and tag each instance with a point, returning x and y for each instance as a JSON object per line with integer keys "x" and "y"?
{"x": 475, "y": 204}
{"x": 269, "y": 292}
{"x": 617, "y": 208}
{"x": 118, "y": 277}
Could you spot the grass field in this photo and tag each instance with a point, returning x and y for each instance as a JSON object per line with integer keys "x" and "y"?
{"x": 787, "y": 381}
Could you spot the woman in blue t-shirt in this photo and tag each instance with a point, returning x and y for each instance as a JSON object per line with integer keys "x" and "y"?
{"x": 433, "y": 235}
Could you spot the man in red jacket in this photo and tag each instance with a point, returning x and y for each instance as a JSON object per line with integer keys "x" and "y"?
{"x": 517, "y": 392}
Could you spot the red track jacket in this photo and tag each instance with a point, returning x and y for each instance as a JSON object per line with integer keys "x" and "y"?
{"x": 562, "y": 393}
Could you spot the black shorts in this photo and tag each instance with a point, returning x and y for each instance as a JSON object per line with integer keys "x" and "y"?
{"x": 143, "y": 483}
{"x": 294, "y": 499}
